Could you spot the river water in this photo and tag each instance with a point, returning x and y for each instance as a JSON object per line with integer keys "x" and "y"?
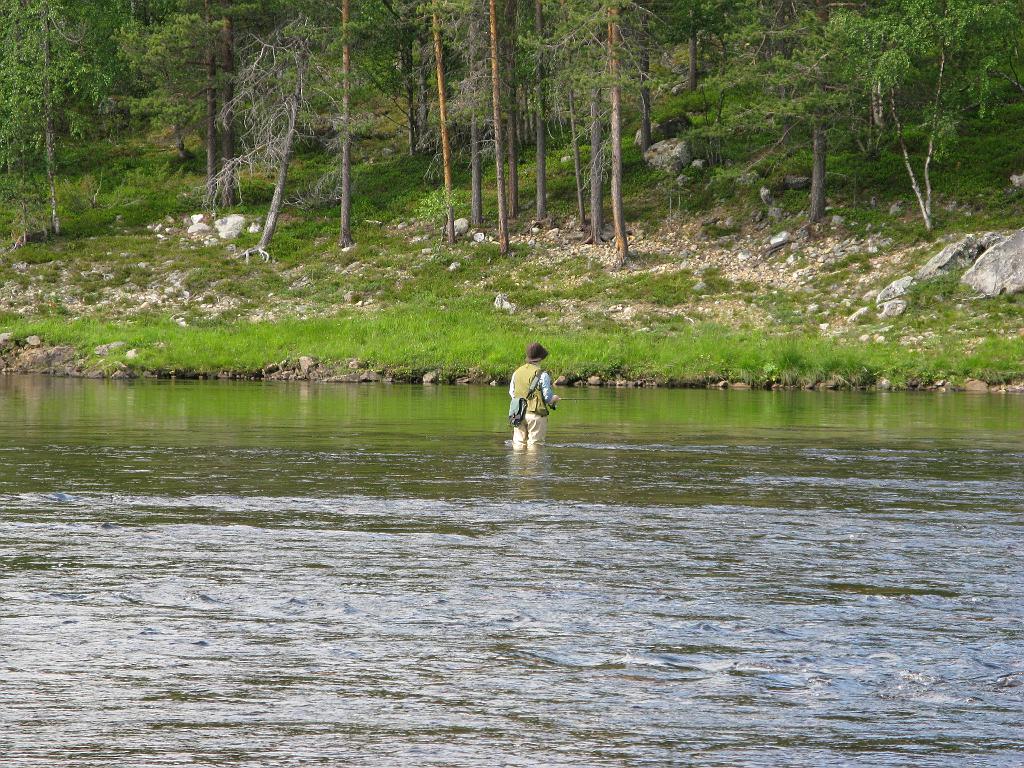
{"x": 223, "y": 574}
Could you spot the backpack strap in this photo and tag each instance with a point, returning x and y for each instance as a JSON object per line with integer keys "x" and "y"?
{"x": 535, "y": 385}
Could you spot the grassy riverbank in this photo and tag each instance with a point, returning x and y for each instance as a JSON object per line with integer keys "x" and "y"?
{"x": 703, "y": 298}
{"x": 405, "y": 344}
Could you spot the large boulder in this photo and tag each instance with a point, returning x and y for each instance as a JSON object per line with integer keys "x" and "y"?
{"x": 796, "y": 182}
{"x": 461, "y": 227}
{"x": 672, "y": 128}
{"x": 893, "y": 308}
{"x": 894, "y": 290}
{"x": 959, "y": 255}
{"x": 45, "y": 359}
{"x": 671, "y": 155}
{"x": 230, "y": 227}
{"x": 1000, "y": 269}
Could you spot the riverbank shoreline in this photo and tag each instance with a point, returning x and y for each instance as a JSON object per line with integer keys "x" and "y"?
{"x": 33, "y": 356}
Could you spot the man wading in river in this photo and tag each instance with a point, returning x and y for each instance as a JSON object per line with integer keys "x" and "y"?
{"x": 532, "y": 400}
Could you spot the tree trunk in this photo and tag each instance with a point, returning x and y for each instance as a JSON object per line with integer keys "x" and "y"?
{"x": 618, "y": 214}
{"x": 576, "y": 162}
{"x": 877, "y": 106}
{"x": 818, "y": 173}
{"x": 513, "y": 163}
{"x": 422, "y": 99}
{"x": 476, "y": 215}
{"x": 542, "y": 129}
{"x": 405, "y": 62}
{"x": 645, "y": 90}
{"x": 691, "y": 75}
{"x": 499, "y": 154}
{"x": 229, "y": 194}
{"x": 924, "y": 202}
{"x": 345, "y": 233}
{"x": 511, "y": 12}
{"x": 270, "y": 225}
{"x": 51, "y": 171}
{"x": 596, "y": 170}
{"x": 211, "y": 110}
{"x": 442, "y": 111}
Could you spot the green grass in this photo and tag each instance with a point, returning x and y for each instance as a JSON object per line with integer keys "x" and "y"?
{"x": 478, "y": 341}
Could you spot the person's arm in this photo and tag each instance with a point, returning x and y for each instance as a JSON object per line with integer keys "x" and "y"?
{"x": 547, "y": 391}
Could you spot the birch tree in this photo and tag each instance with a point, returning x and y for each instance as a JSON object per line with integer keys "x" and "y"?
{"x": 931, "y": 60}
{"x": 273, "y": 105}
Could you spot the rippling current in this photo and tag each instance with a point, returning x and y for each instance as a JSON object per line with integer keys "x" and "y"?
{"x": 255, "y": 575}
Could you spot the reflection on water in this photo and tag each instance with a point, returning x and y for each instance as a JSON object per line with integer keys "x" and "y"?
{"x": 250, "y": 575}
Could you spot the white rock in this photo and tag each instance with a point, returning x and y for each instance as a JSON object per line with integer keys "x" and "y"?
{"x": 230, "y": 227}
{"x": 453, "y": 266}
{"x": 779, "y": 240}
{"x": 502, "y": 302}
{"x": 131, "y": 354}
{"x": 1017, "y": 180}
{"x": 1000, "y": 269}
{"x": 198, "y": 228}
{"x": 671, "y": 155}
{"x": 461, "y": 227}
{"x": 197, "y": 217}
{"x": 856, "y": 316}
{"x": 254, "y": 228}
{"x": 105, "y": 349}
{"x": 766, "y": 196}
{"x": 698, "y": 164}
{"x": 479, "y": 237}
{"x": 895, "y": 289}
{"x": 893, "y": 308}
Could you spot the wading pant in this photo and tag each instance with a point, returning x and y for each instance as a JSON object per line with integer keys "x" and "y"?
{"x": 532, "y": 431}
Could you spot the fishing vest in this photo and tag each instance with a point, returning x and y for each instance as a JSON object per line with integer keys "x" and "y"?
{"x": 521, "y": 381}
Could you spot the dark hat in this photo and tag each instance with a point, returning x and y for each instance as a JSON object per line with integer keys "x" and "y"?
{"x": 535, "y": 353}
